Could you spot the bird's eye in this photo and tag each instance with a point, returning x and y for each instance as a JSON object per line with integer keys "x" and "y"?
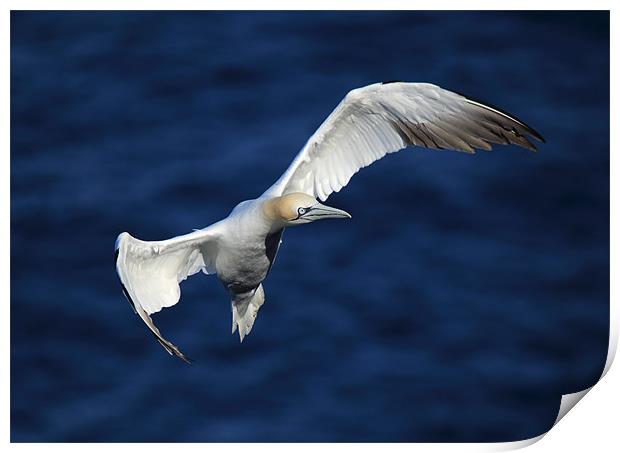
{"x": 301, "y": 211}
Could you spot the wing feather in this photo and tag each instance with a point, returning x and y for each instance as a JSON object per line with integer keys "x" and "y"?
{"x": 379, "y": 119}
{"x": 150, "y": 273}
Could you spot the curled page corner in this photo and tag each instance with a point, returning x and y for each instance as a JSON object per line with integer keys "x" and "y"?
{"x": 569, "y": 400}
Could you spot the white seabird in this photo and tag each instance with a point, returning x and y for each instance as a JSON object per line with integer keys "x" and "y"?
{"x": 369, "y": 123}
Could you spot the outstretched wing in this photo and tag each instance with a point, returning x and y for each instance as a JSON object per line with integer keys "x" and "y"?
{"x": 150, "y": 272}
{"x": 382, "y": 118}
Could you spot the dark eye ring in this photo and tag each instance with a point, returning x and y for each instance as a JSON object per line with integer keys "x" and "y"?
{"x": 301, "y": 211}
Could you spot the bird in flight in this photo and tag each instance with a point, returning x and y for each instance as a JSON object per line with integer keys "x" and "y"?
{"x": 369, "y": 123}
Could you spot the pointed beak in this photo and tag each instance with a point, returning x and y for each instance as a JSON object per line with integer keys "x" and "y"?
{"x": 320, "y": 211}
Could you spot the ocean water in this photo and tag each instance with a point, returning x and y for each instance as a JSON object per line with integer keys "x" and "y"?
{"x": 466, "y": 294}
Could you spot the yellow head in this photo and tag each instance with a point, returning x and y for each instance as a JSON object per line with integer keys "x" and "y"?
{"x": 299, "y": 208}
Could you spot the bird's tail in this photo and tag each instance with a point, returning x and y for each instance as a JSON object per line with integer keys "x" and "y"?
{"x": 244, "y": 309}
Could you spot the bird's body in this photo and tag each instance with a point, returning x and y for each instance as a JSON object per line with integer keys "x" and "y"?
{"x": 240, "y": 249}
{"x": 244, "y": 257}
{"x": 247, "y": 247}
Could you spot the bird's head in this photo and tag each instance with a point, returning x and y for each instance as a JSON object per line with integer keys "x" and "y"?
{"x": 299, "y": 208}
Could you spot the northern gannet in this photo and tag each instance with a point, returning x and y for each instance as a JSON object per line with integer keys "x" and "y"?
{"x": 369, "y": 123}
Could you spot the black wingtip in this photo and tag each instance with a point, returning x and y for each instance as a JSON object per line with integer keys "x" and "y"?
{"x": 537, "y": 136}
{"x": 530, "y": 130}
{"x": 178, "y": 354}
{"x": 187, "y": 360}
{"x": 531, "y": 147}
{"x": 172, "y": 349}
{"x": 391, "y": 81}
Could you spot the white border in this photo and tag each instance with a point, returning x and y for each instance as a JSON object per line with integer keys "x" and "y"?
{"x": 593, "y": 425}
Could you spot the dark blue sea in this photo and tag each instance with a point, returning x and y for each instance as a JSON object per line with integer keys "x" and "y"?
{"x": 464, "y": 297}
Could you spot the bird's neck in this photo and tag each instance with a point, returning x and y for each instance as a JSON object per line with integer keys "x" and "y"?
{"x": 271, "y": 211}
